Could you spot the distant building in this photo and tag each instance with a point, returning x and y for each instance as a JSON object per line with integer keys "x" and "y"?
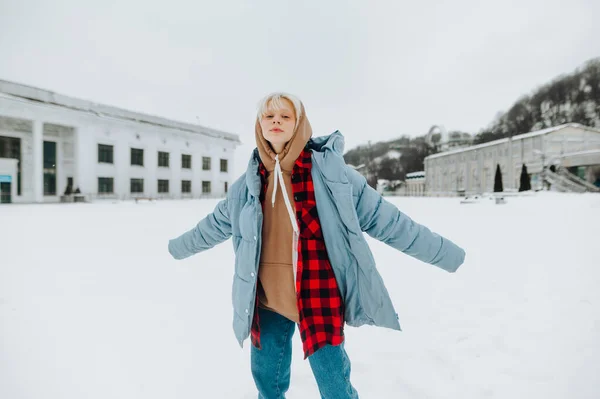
{"x": 471, "y": 170}
{"x": 415, "y": 184}
{"x": 51, "y": 144}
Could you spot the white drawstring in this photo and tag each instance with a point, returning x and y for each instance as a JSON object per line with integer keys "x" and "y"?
{"x": 279, "y": 176}
{"x": 295, "y": 236}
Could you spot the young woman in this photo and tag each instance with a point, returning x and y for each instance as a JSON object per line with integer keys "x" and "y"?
{"x": 297, "y": 218}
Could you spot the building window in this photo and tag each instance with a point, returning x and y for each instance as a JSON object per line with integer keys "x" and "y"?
{"x": 105, "y": 185}
{"x": 205, "y": 163}
{"x": 226, "y": 187}
{"x": 186, "y": 161}
{"x": 223, "y": 165}
{"x": 163, "y": 186}
{"x": 49, "y": 168}
{"x": 105, "y": 153}
{"x": 11, "y": 148}
{"x": 137, "y": 186}
{"x": 186, "y": 186}
{"x": 137, "y": 156}
{"x": 205, "y": 187}
{"x": 163, "y": 159}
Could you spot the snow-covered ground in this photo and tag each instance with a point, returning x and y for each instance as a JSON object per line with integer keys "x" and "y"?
{"x": 92, "y": 306}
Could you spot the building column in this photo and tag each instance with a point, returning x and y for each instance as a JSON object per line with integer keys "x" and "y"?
{"x": 481, "y": 172}
{"x": 176, "y": 173}
{"x": 510, "y": 166}
{"x": 38, "y": 161}
{"x": 77, "y": 159}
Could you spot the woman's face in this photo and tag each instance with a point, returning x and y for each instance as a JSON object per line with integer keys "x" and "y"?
{"x": 278, "y": 125}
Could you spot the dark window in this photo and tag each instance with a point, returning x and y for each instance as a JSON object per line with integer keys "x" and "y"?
{"x": 49, "y": 168}
{"x": 186, "y": 161}
{"x": 205, "y": 163}
{"x": 163, "y": 159}
{"x": 10, "y": 147}
{"x": 105, "y": 153}
{"x": 223, "y": 165}
{"x": 136, "y": 186}
{"x": 186, "y": 186}
{"x": 5, "y": 192}
{"x": 226, "y": 187}
{"x": 163, "y": 186}
{"x": 137, "y": 156}
{"x": 105, "y": 185}
{"x": 205, "y": 187}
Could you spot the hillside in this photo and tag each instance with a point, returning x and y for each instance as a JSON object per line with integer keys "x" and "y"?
{"x": 568, "y": 98}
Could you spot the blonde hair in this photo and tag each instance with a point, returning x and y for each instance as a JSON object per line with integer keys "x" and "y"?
{"x": 275, "y": 100}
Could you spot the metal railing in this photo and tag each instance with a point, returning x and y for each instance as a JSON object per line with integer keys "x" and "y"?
{"x": 576, "y": 179}
{"x": 562, "y": 183}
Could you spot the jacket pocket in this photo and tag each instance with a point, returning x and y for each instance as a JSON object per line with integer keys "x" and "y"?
{"x": 342, "y": 196}
{"x": 248, "y": 221}
{"x": 370, "y": 292}
{"x": 308, "y": 213}
{"x": 236, "y": 243}
{"x": 244, "y": 261}
{"x": 241, "y": 297}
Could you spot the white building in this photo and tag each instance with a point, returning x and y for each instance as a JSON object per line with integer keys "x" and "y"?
{"x": 472, "y": 169}
{"x": 50, "y": 143}
{"x": 415, "y": 184}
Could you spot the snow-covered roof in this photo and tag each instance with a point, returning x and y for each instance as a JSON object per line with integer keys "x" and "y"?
{"x": 393, "y": 154}
{"x": 515, "y": 138}
{"x": 34, "y": 94}
{"x": 414, "y": 175}
{"x": 357, "y": 167}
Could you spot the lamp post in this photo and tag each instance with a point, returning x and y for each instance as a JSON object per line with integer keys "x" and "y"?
{"x": 542, "y": 155}
{"x": 511, "y": 164}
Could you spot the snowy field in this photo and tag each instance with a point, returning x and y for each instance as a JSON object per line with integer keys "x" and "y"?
{"x": 92, "y": 306}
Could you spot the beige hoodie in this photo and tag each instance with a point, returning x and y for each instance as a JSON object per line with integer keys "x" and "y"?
{"x": 276, "y": 290}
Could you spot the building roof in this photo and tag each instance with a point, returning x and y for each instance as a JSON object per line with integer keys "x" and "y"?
{"x": 414, "y": 175}
{"x": 515, "y": 138}
{"x": 34, "y": 94}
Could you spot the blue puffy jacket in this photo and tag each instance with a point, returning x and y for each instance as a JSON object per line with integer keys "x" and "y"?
{"x": 347, "y": 207}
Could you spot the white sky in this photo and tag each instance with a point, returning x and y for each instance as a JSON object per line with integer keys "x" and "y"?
{"x": 374, "y": 70}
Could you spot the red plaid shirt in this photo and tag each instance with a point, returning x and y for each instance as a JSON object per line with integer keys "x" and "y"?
{"x": 320, "y": 304}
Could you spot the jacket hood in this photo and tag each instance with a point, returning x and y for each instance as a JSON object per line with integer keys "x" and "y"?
{"x": 333, "y": 142}
{"x": 331, "y": 145}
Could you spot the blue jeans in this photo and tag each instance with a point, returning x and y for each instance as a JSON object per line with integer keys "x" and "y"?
{"x": 271, "y": 364}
